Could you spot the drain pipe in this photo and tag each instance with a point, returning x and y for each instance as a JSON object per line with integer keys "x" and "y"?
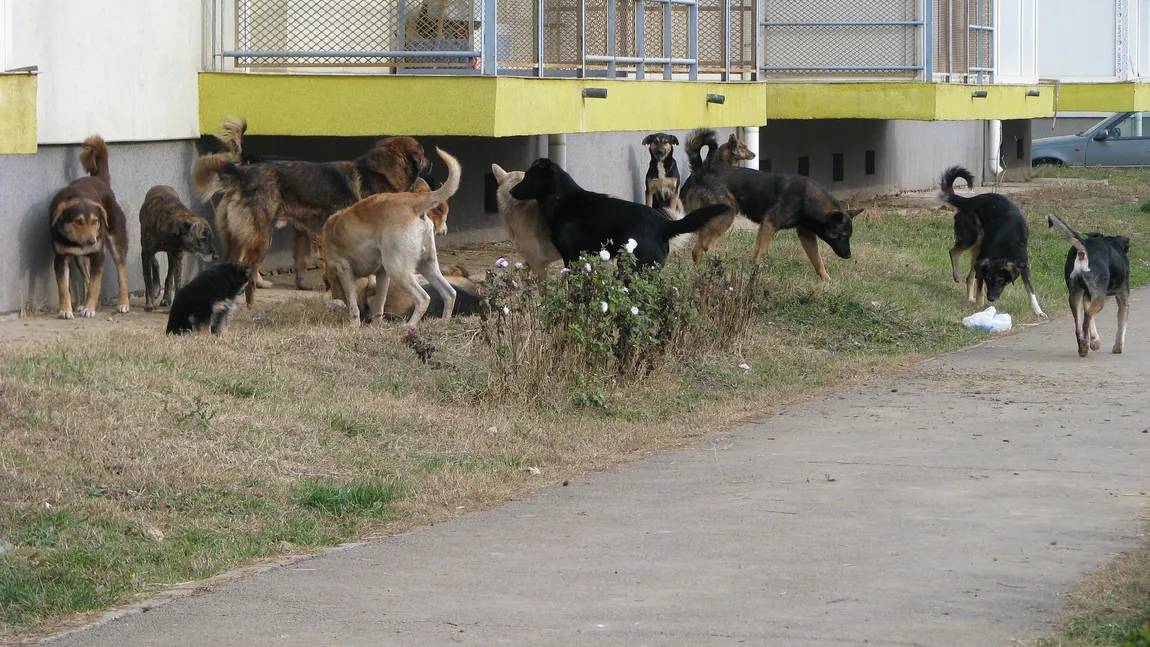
{"x": 751, "y": 139}
{"x": 994, "y": 147}
{"x": 557, "y": 149}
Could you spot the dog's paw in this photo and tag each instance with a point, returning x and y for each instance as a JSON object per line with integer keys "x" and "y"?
{"x": 1117, "y": 349}
{"x": 123, "y": 308}
{"x": 66, "y": 314}
{"x": 1043, "y": 315}
{"x": 166, "y": 303}
{"x": 264, "y": 284}
{"x": 87, "y": 312}
{"x": 1095, "y": 344}
{"x": 148, "y": 308}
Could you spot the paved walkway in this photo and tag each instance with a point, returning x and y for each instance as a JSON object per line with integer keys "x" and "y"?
{"x": 949, "y": 506}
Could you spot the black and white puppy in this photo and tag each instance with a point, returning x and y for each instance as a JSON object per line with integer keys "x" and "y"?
{"x": 663, "y": 172}
{"x": 1097, "y": 267}
{"x": 207, "y": 300}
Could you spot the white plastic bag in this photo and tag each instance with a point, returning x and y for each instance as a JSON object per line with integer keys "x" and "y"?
{"x": 990, "y": 320}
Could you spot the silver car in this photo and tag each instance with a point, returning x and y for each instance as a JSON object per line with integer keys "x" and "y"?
{"x": 1122, "y": 139}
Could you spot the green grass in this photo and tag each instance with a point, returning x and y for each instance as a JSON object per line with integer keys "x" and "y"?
{"x": 167, "y": 460}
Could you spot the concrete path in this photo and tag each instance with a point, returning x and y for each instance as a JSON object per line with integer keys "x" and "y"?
{"x": 949, "y": 506}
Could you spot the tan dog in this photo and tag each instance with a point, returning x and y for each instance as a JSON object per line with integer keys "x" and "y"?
{"x": 86, "y": 222}
{"x": 529, "y": 233}
{"x": 390, "y": 235}
{"x": 399, "y": 304}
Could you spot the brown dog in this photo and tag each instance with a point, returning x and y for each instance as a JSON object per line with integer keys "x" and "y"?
{"x": 304, "y": 194}
{"x": 390, "y": 235}
{"x": 166, "y": 225}
{"x": 86, "y": 220}
{"x": 529, "y": 232}
{"x": 400, "y": 305}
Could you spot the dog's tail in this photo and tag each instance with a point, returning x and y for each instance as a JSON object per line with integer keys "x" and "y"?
{"x": 694, "y": 149}
{"x": 693, "y": 221}
{"x": 946, "y": 185}
{"x": 94, "y": 158}
{"x": 231, "y": 135}
{"x": 1082, "y": 262}
{"x": 425, "y": 201}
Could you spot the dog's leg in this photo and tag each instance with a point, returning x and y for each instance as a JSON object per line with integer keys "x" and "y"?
{"x": 1095, "y": 339}
{"x": 151, "y": 267}
{"x": 650, "y": 198}
{"x": 1123, "y": 299}
{"x": 343, "y": 274}
{"x": 93, "y": 278}
{"x": 763, "y": 239}
{"x": 63, "y": 288}
{"x": 429, "y": 268}
{"x": 254, "y": 256}
{"x": 1034, "y": 307}
{"x": 119, "y": 256}
{"x": 178, "y": 281}
{"x": 955, "y": 252}
{"x": 710, "y": 234}
{"x": 301, "y": 251}
{"x": 810, "y": 245}
{"x": 1077, "y": 311}
{"x": 1086, "y": 342}
{"x": 419, "y": 297}
{"x": 382, "y": 286}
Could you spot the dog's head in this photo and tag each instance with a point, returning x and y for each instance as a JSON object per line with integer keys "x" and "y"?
{"x": 838, "y": 230}
{"x": 80, "y": 220}
{"x": 538, "y": 180}
{"x": 734, "y": 151}
{"x": 236, "y": 274}
{"x": 399, "y": 159}
{"x": 660, "y": 145}
{"x": 506, "y": 179}
{"x": 438, "y": 213}
{"x": 196, "y": 237}
{"x": 996, "y": 274}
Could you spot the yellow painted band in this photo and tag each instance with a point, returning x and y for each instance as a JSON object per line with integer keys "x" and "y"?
{"x": 906, "y": 100}
{"x": 1104, "y": 97}
{"x": 17, "y": 113}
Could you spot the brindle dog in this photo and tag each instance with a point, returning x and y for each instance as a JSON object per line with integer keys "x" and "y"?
{"x": 166, "y": 225}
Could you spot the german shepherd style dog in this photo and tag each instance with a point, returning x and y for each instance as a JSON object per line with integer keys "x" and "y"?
{"x": 529, "y": 232}
{"x": 663, "y": 172}
{"x": 582, "y": 221}
{"x": 995, "y": 232}
{"x": 1097, "y": 266}
{"x": 166, "y": 225}
{"x": 773, "y": 200}
{"x": 304, "y": 194}
{"x": 391, "y": 236}
{"x": 205, "y": 303}
{"x": 85, "y": 222}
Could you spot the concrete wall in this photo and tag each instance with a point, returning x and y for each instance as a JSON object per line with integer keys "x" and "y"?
{"x": 125, "y": 69}
{"x": 25, "y": 246}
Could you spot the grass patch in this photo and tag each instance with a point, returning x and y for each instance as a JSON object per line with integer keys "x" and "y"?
{"x": 132, "y": 460}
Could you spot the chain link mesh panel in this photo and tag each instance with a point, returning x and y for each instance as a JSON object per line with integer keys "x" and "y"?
{"x": 957, "y": 47}
{"x": 333, "y": 26}
{"x": 809, "y": 49}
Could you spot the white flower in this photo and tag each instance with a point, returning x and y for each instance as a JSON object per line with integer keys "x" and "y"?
{"x": 634, "y": 310}
{"x": 631, "y": 245}
{"x": 730, "y": 289}
{"x": 676, "y": 290}
{"x": 586, "y": 267}
{"x": 506, "y": 310}
{"x": 502, "y": 262}
{"x": 515, "y": 285}
{"x": 745, "y": 367}
{"x": 603, "y": 306}
{"x": 519, "y": 266}
{"x": 626, "y": 291}
{"x": 564, "y": 271}
{"x": 604, "y": 254}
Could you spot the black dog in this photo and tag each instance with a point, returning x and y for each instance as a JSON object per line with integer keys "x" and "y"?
{"x": 584, "y": 222}
{"x": 663, "y": 173}
{"x": 207, "y": 300}
{"x": 1097, "y": 267}
{"x": 995, "y": 232}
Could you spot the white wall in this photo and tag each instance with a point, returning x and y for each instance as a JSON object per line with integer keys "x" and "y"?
{"x": 1015, "y": 41}
{"x": 1076, "y": 40}
{"x": 126, "y": 70}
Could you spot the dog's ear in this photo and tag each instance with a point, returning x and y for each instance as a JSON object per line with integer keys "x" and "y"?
{"x": 648, "y": 139}
{"x": 733, "y": 141}
{"x": 854, "y": 212}
{"x": 1124, "y": 243}
{"x": 836, "y": 218}
{"x": 103, "y": 216}
{"x": 499, "y": 173}
{"x": 674, "y": 140}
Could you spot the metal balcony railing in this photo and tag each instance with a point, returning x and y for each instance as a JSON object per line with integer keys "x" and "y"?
{"x": 668, "y": 39}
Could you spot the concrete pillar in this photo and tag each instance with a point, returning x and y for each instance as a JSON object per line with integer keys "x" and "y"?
{"x": 557, "y": 150}
{"x": 751, "y": 139}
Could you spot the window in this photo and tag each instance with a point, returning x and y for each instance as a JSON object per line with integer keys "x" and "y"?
{"x": 837, "y": 167}
{"x": 1134, "y": 126}
{"x": 805, "y": 166}
{"x": 869, "y": 167}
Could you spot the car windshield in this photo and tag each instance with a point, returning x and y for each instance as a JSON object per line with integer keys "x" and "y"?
{"x": 1090, "y": 131}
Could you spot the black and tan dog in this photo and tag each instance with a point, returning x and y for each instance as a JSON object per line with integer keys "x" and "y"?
{"x": 166, "y": 225}
{"x": 304, "y": 194}
{"x": 663, "y": 172}
{"x": 772, "y": 200}
{"x": 1097, "y": 266}
{"x": 583, "y": 222}
{"x": 206, "y": 302}
{"x": 995, "y": 232}
{"x": 86, "y": 222}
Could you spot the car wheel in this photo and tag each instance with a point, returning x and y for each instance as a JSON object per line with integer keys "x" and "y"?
{"x": 1047, "y": 161}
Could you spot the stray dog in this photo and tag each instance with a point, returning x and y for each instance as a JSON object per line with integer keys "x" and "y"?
{"x": 205, "y": 303}
{"x": 663, "y": 172}
{"x": 86, "y": 220}
{"x": 399, "y": 304}
{"x": 995, "y": 232}
{"x": 582, "y": 221}
{"x": 304, "y": 194}
{"x": 773, "y": 200}
{"x": 390, "y": 235}
{"x": 529, "y": 232}
{"x": 166, "y": 225}
{"x": 1097, "y": 267}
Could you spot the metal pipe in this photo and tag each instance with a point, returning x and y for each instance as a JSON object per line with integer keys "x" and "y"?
{"x": 693, "y": 41}
{"x": 557, "y": 149}
{"x": 667, "y": 71}
{"x": 540, "y": 25}
{"x": 844, "y": 68}
{"x": 893, "y": 23}
{"x": 211, "y": 54}
{"x": 582, "y": 39}
{"x": 751, "y": 139}
{"x": 726, "y": 40}
{"x": 637, "y": 59}
{"x": 611, "y": 38}
{"x": 994, "y": 144}
{"x": 330, "y": 54}
{"x": 640, "y": 38}
{"x": 949, "y": 39}
{"x": 928, "y": 40}
{"x": 489, "y": 60}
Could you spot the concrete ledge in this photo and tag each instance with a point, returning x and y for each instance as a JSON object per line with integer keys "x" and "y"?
{"x": 17, "y": 112}
{"x": 1104, "y": 97}
{"x": 916, "y": 101}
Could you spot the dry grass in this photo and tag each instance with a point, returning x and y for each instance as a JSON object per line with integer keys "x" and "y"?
{"x": 130, "y": 460}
